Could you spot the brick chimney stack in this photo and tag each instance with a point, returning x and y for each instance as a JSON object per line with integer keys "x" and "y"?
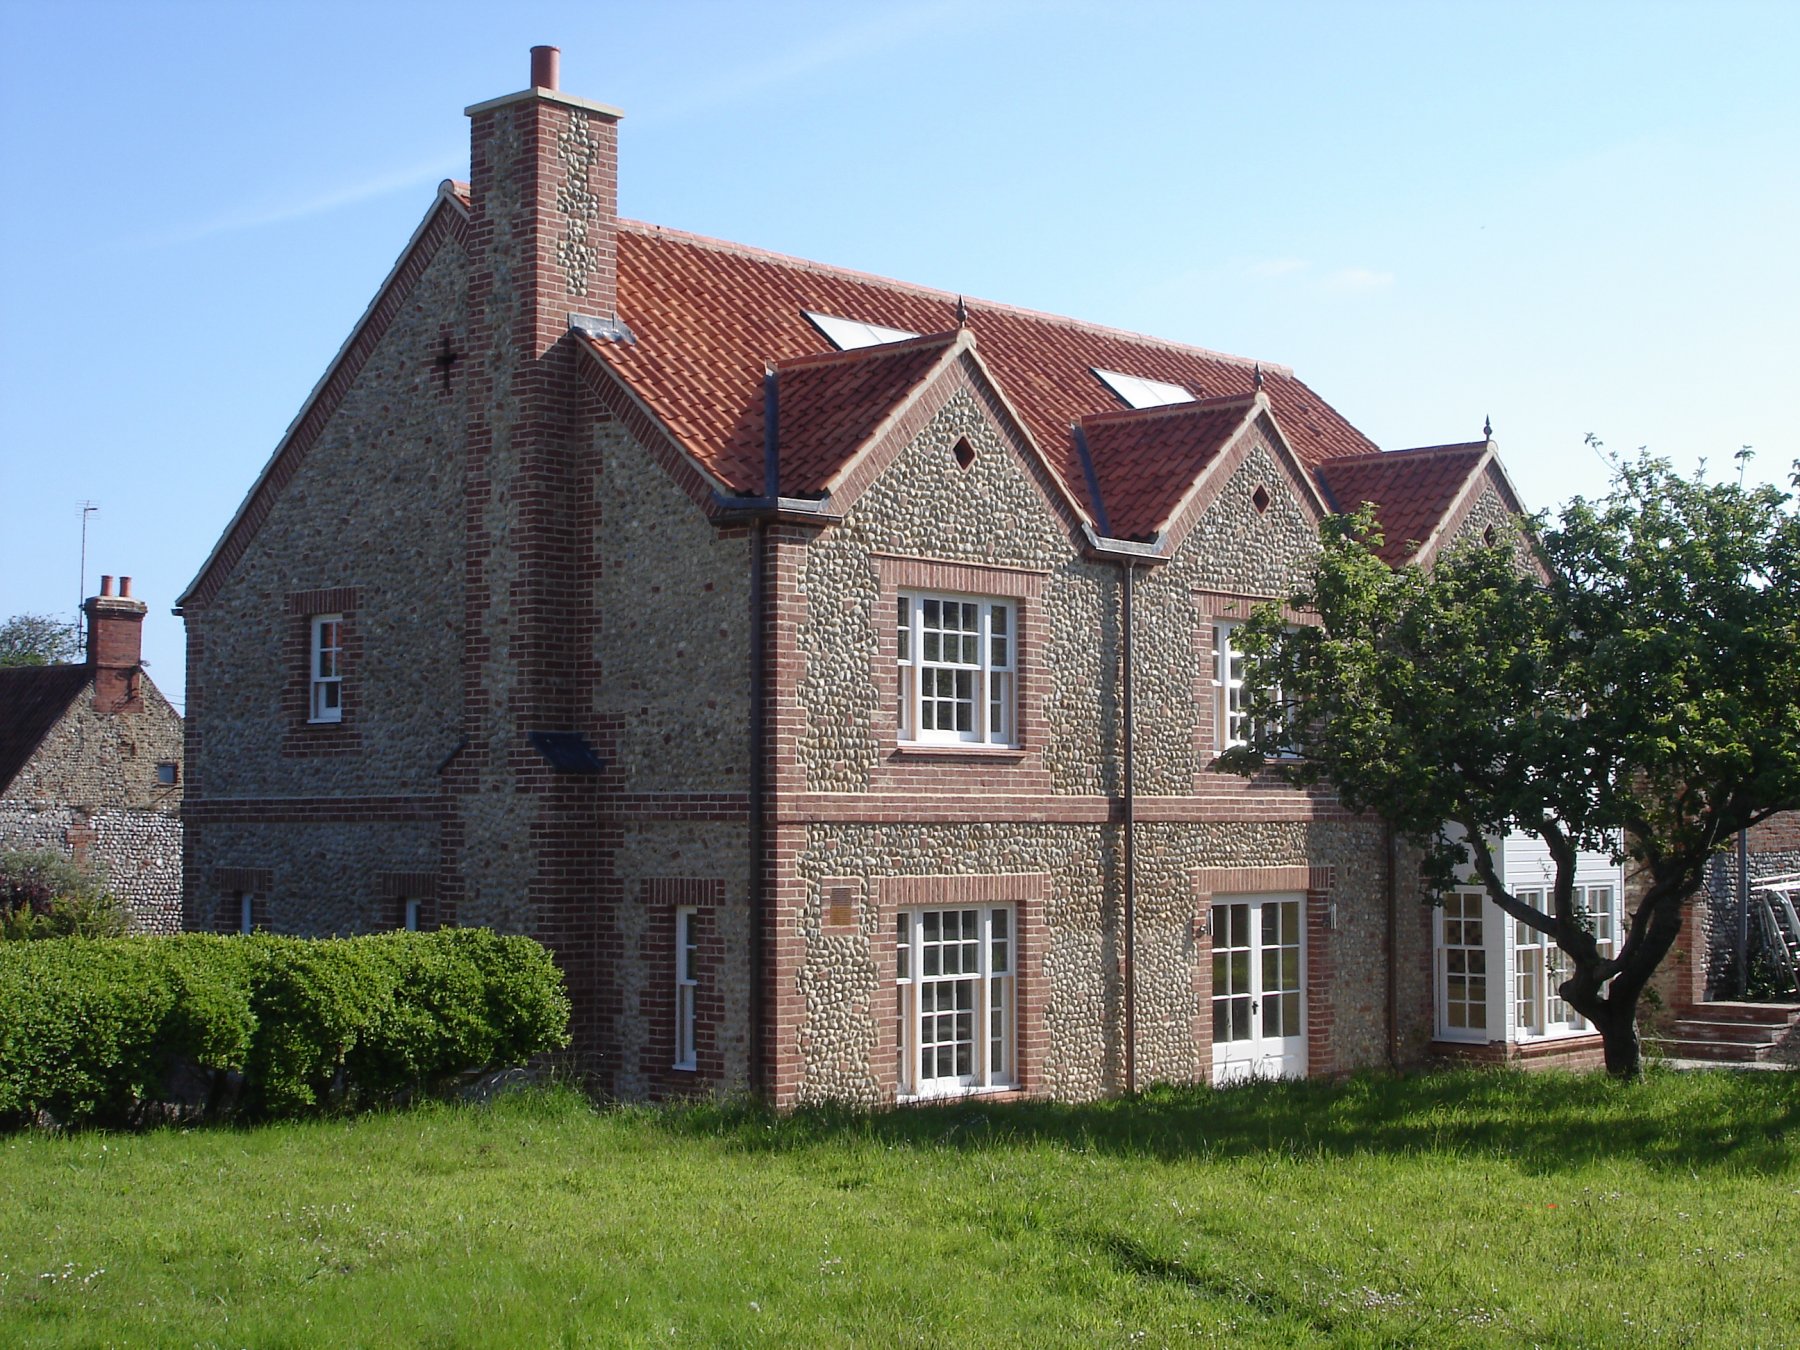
{"x": 543, "y": 208}
{"x": 115, "y": 645}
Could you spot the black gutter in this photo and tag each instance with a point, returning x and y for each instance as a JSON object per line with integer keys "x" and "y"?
{"x": 1392, "y": 897}
{"x": 1130, "y": 577}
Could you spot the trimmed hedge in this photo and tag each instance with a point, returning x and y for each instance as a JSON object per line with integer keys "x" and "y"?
{"x": 99, "y": 1030}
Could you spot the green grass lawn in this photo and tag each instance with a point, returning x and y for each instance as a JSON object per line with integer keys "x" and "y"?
{"x": 1461, "y": 1209}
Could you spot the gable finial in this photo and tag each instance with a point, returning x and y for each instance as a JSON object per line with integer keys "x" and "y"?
{"x": 1487, "y": 428}
{"x": 962, "y": 312}
{"x": 1257, "y": 378}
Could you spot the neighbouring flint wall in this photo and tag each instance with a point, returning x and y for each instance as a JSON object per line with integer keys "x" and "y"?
{"x": 90, "y": 791}
{"x": 361, "y": 515}
{"x": 1774, "y": 850}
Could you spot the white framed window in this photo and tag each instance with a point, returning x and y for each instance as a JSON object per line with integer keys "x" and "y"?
{"x": 1229, "y": 698}
{"x": 1462, "y": 967}
{"x": 955, "y": 981}
{"x": 1540, "y": 966}
{"x": 409, "y": 915}
{"x": 1231, "y": 706}
{"x": 686, "y": 985}
{"x": 326, "y": 669}
{"x": 246, "y": 912}
{"x": 958, "y": 670}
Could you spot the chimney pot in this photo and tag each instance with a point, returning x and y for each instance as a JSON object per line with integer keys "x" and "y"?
{"x": 546, "y": 67}
{"x": 105, "y": 585}
{"x": 125, "y": 588}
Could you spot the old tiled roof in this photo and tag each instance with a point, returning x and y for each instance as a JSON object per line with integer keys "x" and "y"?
{"x": 828, "y": 405}
{"x": 1412, "y": 490}
{"x": 1147, "y": 458}
{"x": 32, "y": 699}
{"x": 708, "y": 318}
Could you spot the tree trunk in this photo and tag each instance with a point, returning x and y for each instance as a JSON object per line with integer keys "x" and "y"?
{"x": 1617, "y": 1025}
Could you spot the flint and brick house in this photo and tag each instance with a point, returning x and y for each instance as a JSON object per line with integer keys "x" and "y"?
{"x": 828, "y": 669}
{"x": 91, "y": 763}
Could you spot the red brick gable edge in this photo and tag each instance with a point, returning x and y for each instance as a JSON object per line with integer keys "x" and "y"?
{"x": 1487, "y": 472}
{"x": 447, "y": 221}
{"x": 962, "y": 369}
{"x": 1211, "y": 480}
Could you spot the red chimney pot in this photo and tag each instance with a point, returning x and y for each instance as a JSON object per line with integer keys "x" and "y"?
{"x": 546, "y": 67}
{"x": 125, "y": 588}
{"x": 105, "y": 585}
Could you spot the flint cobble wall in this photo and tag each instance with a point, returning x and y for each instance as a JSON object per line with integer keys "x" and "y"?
{"x": 368, "y": 524}
{"x": 928, "y": 505}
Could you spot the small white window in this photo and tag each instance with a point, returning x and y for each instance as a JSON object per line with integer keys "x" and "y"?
{"x": 1231, "y": 699}
{"x": 1228, "y": 683}
{"x": 246, "y": 913}
{"x": 955, "y": 983}
{"x": 957, "y": 666}
{"x": 326, "y": 666}
{"x": 686, "y": 986}
{"x": 410, "y": 915}
{"x": 1137, "y": 392}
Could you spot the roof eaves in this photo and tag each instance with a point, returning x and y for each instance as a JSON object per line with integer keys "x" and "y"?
{"x": 446, "y": 200}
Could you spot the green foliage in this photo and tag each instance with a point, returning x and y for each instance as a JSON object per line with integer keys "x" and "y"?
{"x": 1626, "y": 678}
{"x": 38, "y": 640}
{"x": 45, "y": 895}
{"x": 91, "y": 1031}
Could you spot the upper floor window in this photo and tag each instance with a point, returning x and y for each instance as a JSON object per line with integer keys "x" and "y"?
{"x": 957, "y": 658}
{"x": 326, "y": 682}
{"x": 1229, "y": 714}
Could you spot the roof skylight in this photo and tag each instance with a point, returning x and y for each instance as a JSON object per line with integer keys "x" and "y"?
{"x": 848, "y": 334}
{"x": 1137, "y": 392}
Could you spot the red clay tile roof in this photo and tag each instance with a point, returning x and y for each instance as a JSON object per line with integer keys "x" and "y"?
{"x": 1412, "y": 490}
{"x": 708, "y": 316}
{"x": 1146, "y": 459}
{"x": 829, "y": 405}
{"x": 32, "y": 699}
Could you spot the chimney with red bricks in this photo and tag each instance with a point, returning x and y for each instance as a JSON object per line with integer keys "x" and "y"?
{"x": 115, "y": 636}
{"x": 543, "y": 208}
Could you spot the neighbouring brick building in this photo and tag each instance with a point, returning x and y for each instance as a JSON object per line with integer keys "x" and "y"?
{"x": 91, "y": 763}
{"x": 827, "y": 669}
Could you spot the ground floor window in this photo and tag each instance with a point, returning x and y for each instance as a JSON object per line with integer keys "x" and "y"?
{"x": 1462, "y": 967}
{"x": 955, "y": 999}
{"x": 1258, "y": 1013}
{"x": 1540, "y": 966}
{"x": 686, "y": 986}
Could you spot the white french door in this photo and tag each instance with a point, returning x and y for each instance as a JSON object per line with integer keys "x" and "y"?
{"x": 1259, "y": 994}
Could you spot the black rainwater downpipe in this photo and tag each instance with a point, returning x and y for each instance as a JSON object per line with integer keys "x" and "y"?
{"x": 1743, "y": 914}
{"x": 761, "y": 1042}
{"x": 1392, "y": 897}
{"x": 1130, "y": 849}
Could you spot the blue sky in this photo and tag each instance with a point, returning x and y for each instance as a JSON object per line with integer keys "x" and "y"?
{"x": 1572, "y": 217}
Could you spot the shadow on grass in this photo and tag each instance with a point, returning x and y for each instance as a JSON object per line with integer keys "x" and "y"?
{"x": 1543, "y": 1121}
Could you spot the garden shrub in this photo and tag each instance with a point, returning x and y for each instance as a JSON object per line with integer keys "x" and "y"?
{"x": 45, "y": 895}
{"x": 92, "y": 1029}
